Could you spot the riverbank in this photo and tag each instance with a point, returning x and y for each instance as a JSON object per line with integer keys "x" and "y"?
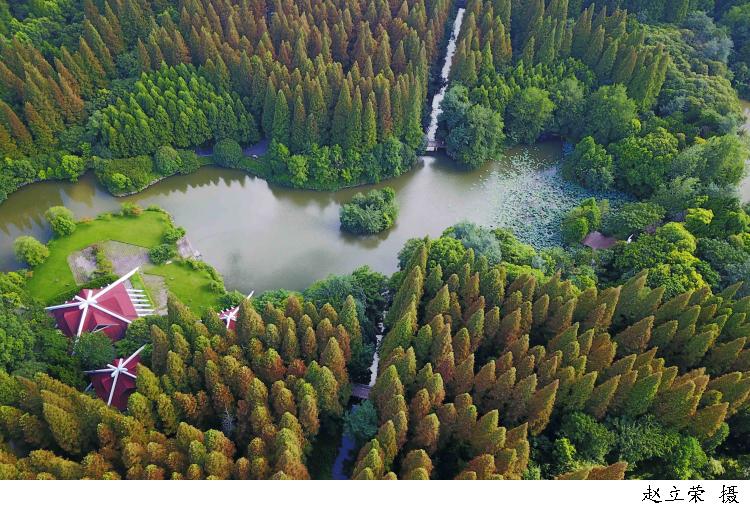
{"x": 206, "y": 162}
{"x": 255, "y": 162}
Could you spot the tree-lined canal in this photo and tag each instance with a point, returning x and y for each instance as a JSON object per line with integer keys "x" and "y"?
{"x": 745, "y": 184}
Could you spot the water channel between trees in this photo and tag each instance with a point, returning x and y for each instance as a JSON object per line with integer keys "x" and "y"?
{"x": 745, "y": 185}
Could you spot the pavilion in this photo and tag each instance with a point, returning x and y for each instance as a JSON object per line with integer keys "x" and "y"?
{"x": 598, "y": 241}
{"x": 110, "y": 309}
{"x": 229, "y": 316}
{"x": 115, "y": 383}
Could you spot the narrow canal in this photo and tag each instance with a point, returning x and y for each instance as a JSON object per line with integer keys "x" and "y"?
{"x": 348, "y": 448}
{"x": 745, "y": 184}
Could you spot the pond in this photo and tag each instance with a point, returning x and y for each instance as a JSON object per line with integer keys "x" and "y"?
{"x": 261, "y": 236}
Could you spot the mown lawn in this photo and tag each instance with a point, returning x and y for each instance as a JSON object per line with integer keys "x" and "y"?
{"x": 191, "y": 286}
{"x": 54, "y": 276}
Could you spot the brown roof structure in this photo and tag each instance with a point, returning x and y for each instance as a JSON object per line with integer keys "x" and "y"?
{"x": 598, "y": 241}
{"x": 110, "y": 309}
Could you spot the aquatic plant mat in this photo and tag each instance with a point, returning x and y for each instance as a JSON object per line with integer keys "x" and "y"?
{"x": 532, "y": 197}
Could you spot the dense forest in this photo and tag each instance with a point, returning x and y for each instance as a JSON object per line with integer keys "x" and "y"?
{"x": 210, "y": 402}
{"x": 532, "y": 71}
{"x": 495, "y": 359}
{"x": 338, "y": 86}
{"x": 485, "y": 376}
{"x": 487, "y": 371}
{"x": 645, "y": 104}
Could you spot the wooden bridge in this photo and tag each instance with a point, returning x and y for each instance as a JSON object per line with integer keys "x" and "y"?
{"x": 361, "y": 391}
{"x": 434, "y": 145}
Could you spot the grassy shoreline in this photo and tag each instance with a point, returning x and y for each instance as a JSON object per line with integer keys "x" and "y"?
{"x": 54, "y": 277}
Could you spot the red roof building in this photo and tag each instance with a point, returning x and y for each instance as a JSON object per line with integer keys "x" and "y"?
{"x": 229, "y": 316}
{"x": 109, "y": 310}
{"x": 598, "y": 241}
{"x": 115, "y": 383}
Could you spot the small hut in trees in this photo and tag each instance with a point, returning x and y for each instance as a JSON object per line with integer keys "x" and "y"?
{"x": 115, "y": 383}
{"x": 598, "y": 241}
{"x": 109, "y": 309}
{"x": 229, "y": 315}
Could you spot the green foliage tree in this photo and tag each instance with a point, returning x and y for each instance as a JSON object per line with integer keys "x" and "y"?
{"x": 227, "y": 153}
{"x": 162, "y": 253}
{"x": 529, "y": 114}
{"x": 371, "y": 213}
{"x": 641, "y": 162}
{"x": 167, "y": 160}
{"x": 361, "y": 422}
{"x": 61, "y": 220}
{"x": 592, "y": 440}
{"x": 94, "y": 350}
{"x": 717, "y": 161}
{"x": 610, "y": 115}
{"x": 590, "y": 165}
{"x": 632, "y": 218}
{"x": 476, "y": 132}
{"x": 581, "y": 220}
{"x": 30, "y": 251}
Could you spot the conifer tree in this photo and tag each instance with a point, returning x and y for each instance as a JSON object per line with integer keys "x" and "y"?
{"x": 333, "y": 358}
{"x": 641, "y": 395}
{"x": 269, "y": 106}
{"x": 280, "y": 131}
{"x": 386, "y": 386}
{"x": 416, "y": 465}
{"x": 326, "y": 387}
{"x": 540, "y": 407}
{"x": 635, "y": 338}
{"x": 64, "y": 427}
{"x": 487, "y": 437}
{"x": 427, "y": 433}
{"x": 369, "y": 124}
{"x": 44, "y": 138}
{"x": 249, "y": 323}
{"x": 342, "y": 116}
{"x": 298, "y": 138}
{"x": 601, "y": 397}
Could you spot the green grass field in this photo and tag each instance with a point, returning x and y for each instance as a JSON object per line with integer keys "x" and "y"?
{"x": 54, "y": 276}
{"x": 190, "y": 285}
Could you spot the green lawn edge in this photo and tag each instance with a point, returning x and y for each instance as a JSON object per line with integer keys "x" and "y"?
{"x": 53, "y": 277}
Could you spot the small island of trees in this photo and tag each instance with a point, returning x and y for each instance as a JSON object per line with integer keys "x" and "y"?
{"x": 371, "y": 213}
